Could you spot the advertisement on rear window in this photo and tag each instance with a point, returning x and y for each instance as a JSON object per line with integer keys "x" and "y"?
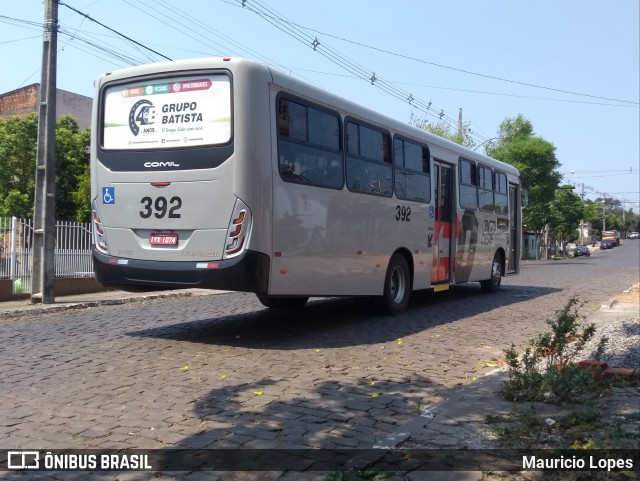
{"x": 179, "y": 112}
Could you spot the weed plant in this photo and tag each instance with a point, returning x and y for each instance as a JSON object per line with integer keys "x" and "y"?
{"x": 546, "y": 371}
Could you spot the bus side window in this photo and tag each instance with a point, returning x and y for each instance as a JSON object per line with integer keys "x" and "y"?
{"x": 485, "y": 188}
{"x": 309, "y": 145}
{"x": 283, "y": 118}
{"x": 468, "y": 185}
{"x": 411, "y": 171}
{"x": 368, "y": 160}
{"x": 500, "y": 193}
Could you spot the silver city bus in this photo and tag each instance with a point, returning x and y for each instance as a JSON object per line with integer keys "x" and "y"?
{"x": 228, "y": 174}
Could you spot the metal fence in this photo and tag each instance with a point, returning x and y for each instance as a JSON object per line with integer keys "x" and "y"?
{"x": 72, "y": 251}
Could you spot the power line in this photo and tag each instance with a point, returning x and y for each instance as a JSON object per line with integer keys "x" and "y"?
{"x": 228, "y": 44}
{"x": 479, "y": 91}
{"x": 112, "y": 30}
{"x": 493, "y": 77}
{"x": 291, "y": 29}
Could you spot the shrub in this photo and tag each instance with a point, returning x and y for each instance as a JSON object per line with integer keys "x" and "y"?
{"x": 545, "y": 371}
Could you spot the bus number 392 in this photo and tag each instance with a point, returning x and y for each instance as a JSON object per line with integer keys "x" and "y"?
{"x": 160, "y": 207}
{"x": 403, "y": 213}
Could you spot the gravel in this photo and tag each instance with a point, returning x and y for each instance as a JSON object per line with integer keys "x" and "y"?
{"x": 623, "y": 345}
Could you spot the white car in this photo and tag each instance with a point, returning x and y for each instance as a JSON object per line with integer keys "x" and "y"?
{"x": 634, "y": 235}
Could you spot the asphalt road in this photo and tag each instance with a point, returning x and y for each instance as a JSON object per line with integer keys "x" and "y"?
{"x": 221, "y": 371}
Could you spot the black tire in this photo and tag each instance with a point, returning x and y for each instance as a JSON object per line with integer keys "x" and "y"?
{"x": 397, "y": 286}
{"x": 283, "y": 302}
{"x": 493, "y": 284}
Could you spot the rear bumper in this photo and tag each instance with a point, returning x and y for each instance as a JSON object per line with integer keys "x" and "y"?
{"x": 248, "y": 273}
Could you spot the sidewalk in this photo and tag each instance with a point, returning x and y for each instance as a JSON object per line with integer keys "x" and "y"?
{"x": 9, "y": 309}
{"x": 460, "y": 422}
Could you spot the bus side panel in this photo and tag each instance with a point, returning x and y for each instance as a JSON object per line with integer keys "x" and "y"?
{"x": 481, "y": 234}
{"x": 324, "y": 246}
{"x": 335, "y": 242}
{"x": 330, "y": 242}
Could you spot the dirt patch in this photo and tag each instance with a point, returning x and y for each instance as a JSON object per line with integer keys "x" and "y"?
{"x": 632, "y": 296}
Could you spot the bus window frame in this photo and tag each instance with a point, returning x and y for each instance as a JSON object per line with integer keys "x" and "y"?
{"x": 427, "y": 174}
{"x": 462, "y": 184}
{"x": 306, "y": 144}
{"x": 362, "y": 123}
{"x": 479, "y": 189}
{"x": 497, "y": 192}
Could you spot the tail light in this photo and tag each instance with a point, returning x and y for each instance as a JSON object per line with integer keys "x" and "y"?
{"x": 99, "y": 239}
{"x": 238, "y": 231}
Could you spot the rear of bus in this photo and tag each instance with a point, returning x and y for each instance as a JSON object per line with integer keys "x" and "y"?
{"x": 171, "y": 204}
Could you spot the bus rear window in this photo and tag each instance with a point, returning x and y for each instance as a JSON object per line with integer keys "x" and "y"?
{"x": 175, "y": 112}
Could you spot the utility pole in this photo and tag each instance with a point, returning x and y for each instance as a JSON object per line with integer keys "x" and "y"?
{"x": 582, "y": 219}
{"x": 460, "y": 122}
{"x": 44, "y": 221}
{"x": 604, "y": 220}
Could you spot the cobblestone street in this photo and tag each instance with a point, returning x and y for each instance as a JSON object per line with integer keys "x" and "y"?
{"x": 219, "y": 371}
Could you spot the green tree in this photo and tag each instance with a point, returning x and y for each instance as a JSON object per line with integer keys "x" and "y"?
{"x": 593, "y": 215}
{"x": 566, "y": 211}
{"x": 71, "y": 146}
{"x": 82, "y": 196}
{"x": 612, "y": 212}
{"x": 535, "y": 158}
{"x": 443, "y": 129}
{"x": 631, "y": 221}
{"x": 16, "y": 204}
{"x": 18, "y": 150}
{"x": 17, "y": 165}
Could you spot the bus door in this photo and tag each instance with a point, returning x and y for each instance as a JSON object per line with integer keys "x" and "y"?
{"x": 514, "y": 230}
{"x": 443, "y": 195}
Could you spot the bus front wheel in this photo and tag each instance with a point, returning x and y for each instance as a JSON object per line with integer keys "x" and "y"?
{"x": 493, "y": 284}
{"x": 397, "y": 286}
{"x": 283, "y": 302}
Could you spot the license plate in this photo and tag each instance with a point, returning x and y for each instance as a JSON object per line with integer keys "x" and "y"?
{"x": 163, "y": 239}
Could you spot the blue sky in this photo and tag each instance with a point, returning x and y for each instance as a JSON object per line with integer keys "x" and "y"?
{"x": 492, "y": 59}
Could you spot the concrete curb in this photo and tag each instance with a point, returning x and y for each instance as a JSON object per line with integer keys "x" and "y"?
{"x": 448, "y": 413}
{"x": 49, "y": 309}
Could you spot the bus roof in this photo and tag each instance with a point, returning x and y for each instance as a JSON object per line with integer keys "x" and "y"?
{"x": 329, "y": 99}
{"x": 311, "y": 92}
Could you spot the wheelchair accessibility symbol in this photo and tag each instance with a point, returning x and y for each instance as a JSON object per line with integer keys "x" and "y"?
{"x": 108, "y": 195}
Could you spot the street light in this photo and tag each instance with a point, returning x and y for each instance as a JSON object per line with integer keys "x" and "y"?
{"x": 604, "y": 225}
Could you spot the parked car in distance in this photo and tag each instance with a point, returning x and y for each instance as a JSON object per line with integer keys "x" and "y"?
{"x": 581, "y": 251}
{"x": 634, "y": 235}
{"x": 606, "y": 244}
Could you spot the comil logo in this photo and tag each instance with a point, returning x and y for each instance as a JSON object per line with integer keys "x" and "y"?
{"x": 160, "y": 164}
{"x": 142, "y": 113}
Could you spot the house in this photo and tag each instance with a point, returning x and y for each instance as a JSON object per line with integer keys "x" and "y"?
{"x": 24, "y": 101}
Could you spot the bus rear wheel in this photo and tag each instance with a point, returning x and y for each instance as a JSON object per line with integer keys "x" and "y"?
{"x": 397, "y": 286}
{"x": 493, "y": 284}
{"x": 283, "y": 302}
